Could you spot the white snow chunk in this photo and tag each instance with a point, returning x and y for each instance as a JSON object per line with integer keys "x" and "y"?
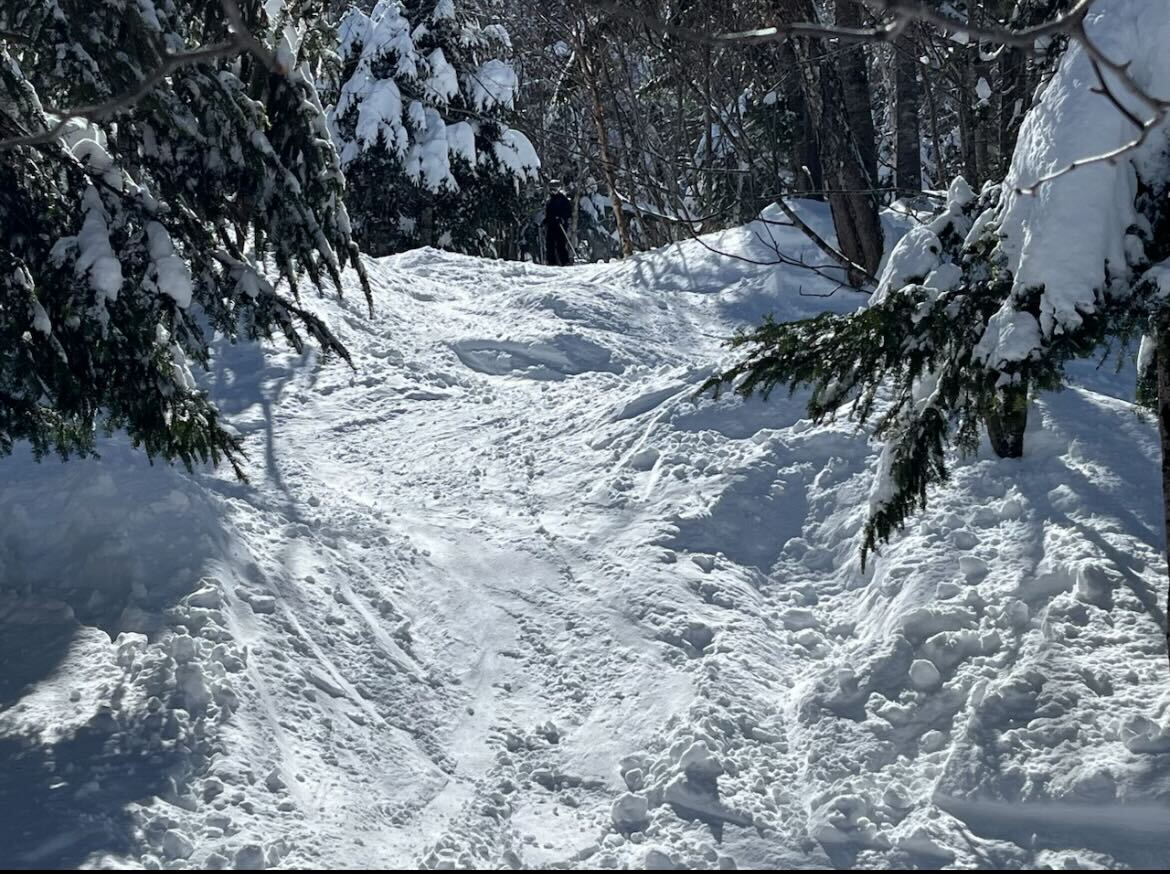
{"x": 946, "y": 277}
{"x": 41, "y": 321}
{"x": 443, "y": 83}
{"x": 176, "y": 845}
{"x": 913, "y": 258}
{"x": 96, "y": 256}
{"x": 630, "y": 812}
{"x": 493, "y": 84}
{"x": 1011, "y": 335}
{"x": 461, "y": 141}
{"x": 172, "y": 275}
{"x": 699, "y": 762}
{"x": 515, "y": 151}
{"x": 924, "y": 675}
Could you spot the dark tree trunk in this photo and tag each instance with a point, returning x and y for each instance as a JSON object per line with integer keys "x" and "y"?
{"x": 1013, "y": 103}
{"x": 907, "y": 100}
{"x": 966, "y": 110}
{"x": 1007, "y": 422}
{"x": 942, "y": 175}
{"x": 855, "y": 88}
{"x": 853, "y": 203}
{"x": 1163, "y": 365}
{"x": 426, "y": 226}
{"x": 805, "y": 159}
{"x": 982, "y": 120}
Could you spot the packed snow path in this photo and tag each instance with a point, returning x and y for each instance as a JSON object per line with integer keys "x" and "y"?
{"x": 508, "y": 595}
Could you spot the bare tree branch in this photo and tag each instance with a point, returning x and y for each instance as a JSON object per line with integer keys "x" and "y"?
{"x": 775, "y": 33}
{"x": 1071, "y": 24}
{"x": 820, "y": 241}
{"x": 1023, "y": 38}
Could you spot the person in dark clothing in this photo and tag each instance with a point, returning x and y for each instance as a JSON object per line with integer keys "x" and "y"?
{"x": 558, "y": 214}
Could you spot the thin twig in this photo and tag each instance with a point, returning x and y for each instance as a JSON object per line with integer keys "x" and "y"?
{"x": 822, "y": 243}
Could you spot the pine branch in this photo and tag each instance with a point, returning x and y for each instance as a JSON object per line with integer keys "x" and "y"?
{"x": 242, "y": 40}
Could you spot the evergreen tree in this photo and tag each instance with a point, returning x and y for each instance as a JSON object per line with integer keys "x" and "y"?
{"x": 988, "y": 303}
{"x": 134, "y": 228}
{"x": 419, "y": 123}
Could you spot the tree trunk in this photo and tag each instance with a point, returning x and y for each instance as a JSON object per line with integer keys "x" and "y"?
{"x": 851, "y": 200}
{"x": 707, "y": 186}
{"x": 907, "y": 99}
{"x": 807, "y": 176}
{"x": 1007, "y": 422}
{"x": 607, "y": 166}
{"x": 850, "y": 191}
{"x": 942, "y": 176}
{"x": 855, "y": 88}
{"x": 965, "y": 106}
{"x": 1163, "y": 366}
{"x": 1012, "y": 104}
{"x": 982, "y": 121}
{"x": 426, "y": 225}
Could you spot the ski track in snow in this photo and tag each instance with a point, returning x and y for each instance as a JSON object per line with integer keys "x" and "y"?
{"x": 509, "y": 595}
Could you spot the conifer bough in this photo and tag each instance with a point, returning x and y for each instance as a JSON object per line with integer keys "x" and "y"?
{"x": 190, "y": 163}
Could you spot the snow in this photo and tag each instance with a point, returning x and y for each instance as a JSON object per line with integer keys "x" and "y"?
{"x": 385, "y": 33}
{"x": 428, "y": 161}
{"x": 96, "y": 258}
{"x": 515, "y": 151}
{"x": 917, "y": 256}
{"x": 443, "y": 83}
{"x": 171, "y": 273}
{"x": 461, "y": 141}
{"x": 913, "y": 258}
{"x": 415, "y": 130}
{"x": 493, "y": 84}
{"x": 509, "y": 595}
{"x": 379, "y": 113}
{"x": 1070, "y": 236}
{"x": 41, "y": 320}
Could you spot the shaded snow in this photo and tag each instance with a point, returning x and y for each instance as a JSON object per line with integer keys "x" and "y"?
{"x": 493, "y": 84}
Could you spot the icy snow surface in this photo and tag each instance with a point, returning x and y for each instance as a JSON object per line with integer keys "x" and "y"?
{"x": 508, "y": 596}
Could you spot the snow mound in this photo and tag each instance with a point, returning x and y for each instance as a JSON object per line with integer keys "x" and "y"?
{"x": 1080, "y": 234}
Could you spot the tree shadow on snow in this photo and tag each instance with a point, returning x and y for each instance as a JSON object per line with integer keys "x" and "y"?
{"x": 62, "y": 803}
{"x": 89, "y": 549}
{"x": 243, "y": 377}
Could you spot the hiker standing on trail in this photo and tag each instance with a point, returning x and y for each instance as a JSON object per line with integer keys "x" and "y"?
{"x": 558, "y": 213}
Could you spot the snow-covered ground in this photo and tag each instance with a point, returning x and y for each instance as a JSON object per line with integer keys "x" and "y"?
{"x": 508, "y": 595}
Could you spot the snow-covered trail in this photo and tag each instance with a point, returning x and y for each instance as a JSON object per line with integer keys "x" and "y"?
{"x": 481, "y": 606}
{"x": 507, "y": 594}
